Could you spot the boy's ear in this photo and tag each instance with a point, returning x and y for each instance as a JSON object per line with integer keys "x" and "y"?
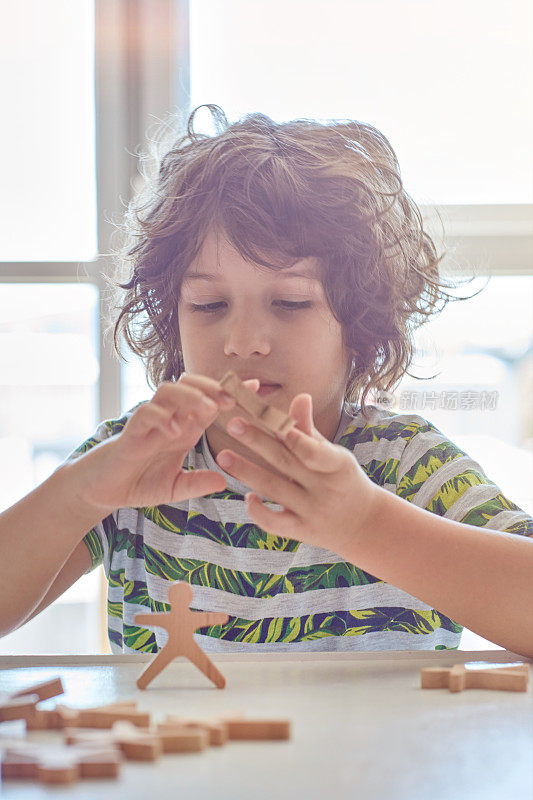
{"x": 181, "y": 362}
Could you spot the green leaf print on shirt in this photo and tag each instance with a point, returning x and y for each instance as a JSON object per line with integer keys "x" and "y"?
{"x": 255, "y": 584}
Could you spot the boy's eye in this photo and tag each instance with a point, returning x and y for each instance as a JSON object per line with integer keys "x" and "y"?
{"x": 288, "y": 305}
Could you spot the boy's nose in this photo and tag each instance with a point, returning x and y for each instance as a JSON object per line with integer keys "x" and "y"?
{"x": 247, "y": 340}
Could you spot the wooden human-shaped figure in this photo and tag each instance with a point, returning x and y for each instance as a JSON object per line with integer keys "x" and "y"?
{"x": 181, "y": 623}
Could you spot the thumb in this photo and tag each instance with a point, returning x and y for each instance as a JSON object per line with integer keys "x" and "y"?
{"x": 301, "y": 410}
{"x": 196, "y": 483}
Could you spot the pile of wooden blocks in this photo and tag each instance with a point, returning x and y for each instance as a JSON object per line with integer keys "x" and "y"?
{"x": 97, "y": 740}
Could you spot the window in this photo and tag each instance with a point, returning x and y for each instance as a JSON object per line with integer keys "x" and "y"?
{"x": 49, "y": 369}
{"x": 449, "y": 83}
{"x": 48, "y": 393}
{"x": 47, "y": 138}
{"x": 74, "y": 75}
{"x": 77, "y": 74}
{"x": 482, "y": 349}
{"x": 134, "y": 382}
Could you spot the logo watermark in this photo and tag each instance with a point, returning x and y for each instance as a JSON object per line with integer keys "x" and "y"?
{"x": 413, "y": 400}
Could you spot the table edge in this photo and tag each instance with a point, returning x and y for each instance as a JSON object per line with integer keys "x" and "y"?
{"x": 441, "y": 657}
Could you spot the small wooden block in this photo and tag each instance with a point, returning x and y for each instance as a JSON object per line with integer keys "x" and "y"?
{"x": 12, "y": 707}
{"x": 21, "y": 704}
{"x": 241, "y": 728}
{"x": 43, "y": 690}
{"x": 99, "y": 717}
{"x": 178, "y": 738}
{"x": 107, "y": 716}
{"x": 510, "y": 677}
{"x": 42, "y": 719}
{"x": 137, "y": 744}
{"x": 217, "y": 731}
{"x": 268, "y": 417}
{"x": 144, "y": 744}
{"x": 58, "y": 764}
{"x": 51, "y": 718}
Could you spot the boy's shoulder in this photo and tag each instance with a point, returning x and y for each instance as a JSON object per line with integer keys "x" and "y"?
{"x": 105, "y": 429}
{"x": 379, "y": 424}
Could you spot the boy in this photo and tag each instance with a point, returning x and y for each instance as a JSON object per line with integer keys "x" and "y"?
{"x": 292, "y": 254}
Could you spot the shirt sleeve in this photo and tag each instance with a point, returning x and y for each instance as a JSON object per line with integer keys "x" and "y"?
{"x": 99, "y": 539}
{"x": 438, "y": 476}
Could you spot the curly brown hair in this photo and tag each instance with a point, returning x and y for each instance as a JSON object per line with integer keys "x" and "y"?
{"x": 282, "y": 192}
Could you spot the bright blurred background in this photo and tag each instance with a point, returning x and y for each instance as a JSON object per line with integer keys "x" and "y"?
{"x": 440, "y": 79}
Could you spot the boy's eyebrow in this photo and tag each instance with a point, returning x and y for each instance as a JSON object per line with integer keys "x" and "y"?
{"x": 207, "y": 276}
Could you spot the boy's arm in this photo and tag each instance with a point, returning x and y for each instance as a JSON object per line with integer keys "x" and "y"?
{"x": 133, "y": 463}
{"x": 481, "y": 578}
{"x": 77, "y": 564}
{"x": 38, "y": 538}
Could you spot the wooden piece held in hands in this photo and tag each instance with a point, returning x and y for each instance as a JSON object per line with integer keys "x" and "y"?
{"x": 181, "y": 623}
{"x": 271, "y": 419}
{"x": 511, "y": 677}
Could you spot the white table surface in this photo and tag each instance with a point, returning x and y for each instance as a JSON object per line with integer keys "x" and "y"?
{"x": 362, "y": 728}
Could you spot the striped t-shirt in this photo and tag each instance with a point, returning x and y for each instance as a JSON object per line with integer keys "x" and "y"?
{"x": 281, "y": 594}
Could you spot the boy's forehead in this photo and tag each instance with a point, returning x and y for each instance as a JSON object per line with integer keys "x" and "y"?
{"x": 300, "y": 270}
{"x": 218, "y": 257}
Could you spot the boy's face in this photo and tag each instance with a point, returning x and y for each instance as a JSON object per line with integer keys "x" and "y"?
{"x": 252, "y": 331}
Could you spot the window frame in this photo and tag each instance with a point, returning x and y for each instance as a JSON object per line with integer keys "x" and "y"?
{"x": 142, "y": 71}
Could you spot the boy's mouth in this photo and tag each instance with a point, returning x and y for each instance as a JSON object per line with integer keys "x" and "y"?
{"x": 268, "y": 388}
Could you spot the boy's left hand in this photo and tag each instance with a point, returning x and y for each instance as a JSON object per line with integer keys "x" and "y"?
{"x": 327, "y": 498}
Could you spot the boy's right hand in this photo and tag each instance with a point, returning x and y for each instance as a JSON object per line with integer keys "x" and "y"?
{"x": 142, "y": 466}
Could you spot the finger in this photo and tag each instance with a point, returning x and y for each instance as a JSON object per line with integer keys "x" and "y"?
{"x": 272, "y": 450}
{"x": 280, "y": 523}
{"x": 179, "y": 396}
{"x": 275, "y": 487}
{"x": 209, "y": 387}
{"x": 184, "y": 398}
{"x": 318, "y": 455}
{"x": 310, "y": 454}
{"x": 155, "y": 427}
{"x": 162, "y": 416}
{"x": 301, "y": 410}
{"x": 186, "y": 403}
{"x": 150, "y": 419}
{"x": 213, "y": 388}
{"x": 198, "y": 483}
